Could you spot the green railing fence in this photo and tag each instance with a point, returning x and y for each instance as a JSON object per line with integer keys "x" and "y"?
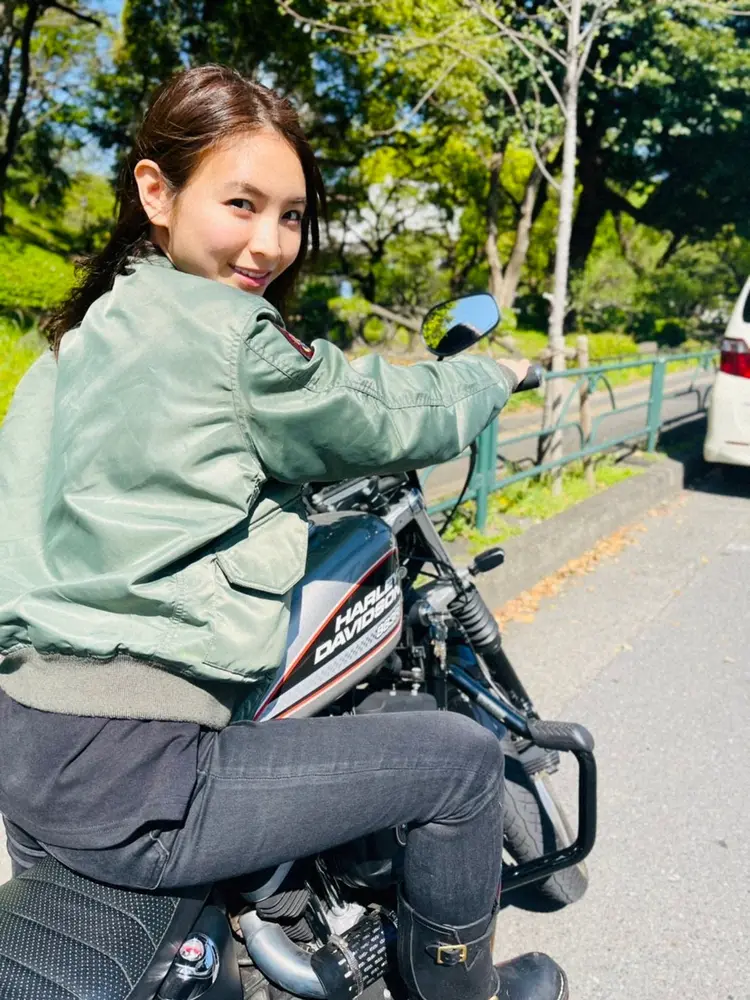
{"x": 486, "y": 481}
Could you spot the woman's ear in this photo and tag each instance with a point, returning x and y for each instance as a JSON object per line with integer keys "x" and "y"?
{"x": 154, "y": 192}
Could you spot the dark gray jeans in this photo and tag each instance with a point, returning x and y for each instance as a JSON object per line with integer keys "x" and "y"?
{"x": 271, "y": 792}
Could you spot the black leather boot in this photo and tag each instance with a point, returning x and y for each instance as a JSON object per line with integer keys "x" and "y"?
{"x": 455, "y": 963}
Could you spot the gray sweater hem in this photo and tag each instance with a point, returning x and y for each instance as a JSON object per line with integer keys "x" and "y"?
{"x": 119, "y": 688}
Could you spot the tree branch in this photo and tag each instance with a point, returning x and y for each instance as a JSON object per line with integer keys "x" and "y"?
{"x": 516, "y": 37}
{"x": 673, "y": 246}
{"x": 590, "y": 34}
{"x": 517, "y": 40}
{"x": 79, "y": 15}
{"x": 502, "y": 82}
{"x": 407, "y": 321}
{"x": 420, "y": 103}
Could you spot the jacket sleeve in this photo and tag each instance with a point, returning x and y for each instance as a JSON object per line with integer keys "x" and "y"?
{"x": 309, "y": 414}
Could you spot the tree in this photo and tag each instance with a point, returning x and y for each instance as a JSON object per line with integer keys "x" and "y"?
{"x": 664, "y": 133}
{"x": 511, "y": 49}
{"x": 38, "y": 46}
{"x": 160, "y": 37}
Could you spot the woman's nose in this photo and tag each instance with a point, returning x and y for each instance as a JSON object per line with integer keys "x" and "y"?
{"x": 264, "y": 240}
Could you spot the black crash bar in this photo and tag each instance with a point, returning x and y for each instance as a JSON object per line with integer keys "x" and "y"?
{"x": 562, "y": 736}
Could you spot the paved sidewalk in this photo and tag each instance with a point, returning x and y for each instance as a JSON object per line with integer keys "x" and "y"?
{"x": 651, "y": 652}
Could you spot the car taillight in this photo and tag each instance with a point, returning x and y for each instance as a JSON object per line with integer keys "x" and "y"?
{"x": 735, "y": 358}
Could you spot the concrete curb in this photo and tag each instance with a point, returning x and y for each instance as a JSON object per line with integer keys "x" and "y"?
{"x": 544, "y": 548}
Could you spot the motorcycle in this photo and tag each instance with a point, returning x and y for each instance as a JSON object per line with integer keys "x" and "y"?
{"x": 382, "y": 621}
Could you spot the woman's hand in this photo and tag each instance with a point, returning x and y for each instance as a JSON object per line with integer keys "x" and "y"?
{"x": 518, "y": 366}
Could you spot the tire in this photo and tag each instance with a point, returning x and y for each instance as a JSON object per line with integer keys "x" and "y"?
{"x": 535, "y": 824}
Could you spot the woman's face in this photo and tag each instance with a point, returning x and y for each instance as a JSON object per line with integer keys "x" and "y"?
{"x": 238, "y": 220}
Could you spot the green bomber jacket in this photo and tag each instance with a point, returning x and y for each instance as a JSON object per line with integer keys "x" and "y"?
{"x": 151, "y": 523}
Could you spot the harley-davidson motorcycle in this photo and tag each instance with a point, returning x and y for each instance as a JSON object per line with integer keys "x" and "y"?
{"x": 383, "y": 621}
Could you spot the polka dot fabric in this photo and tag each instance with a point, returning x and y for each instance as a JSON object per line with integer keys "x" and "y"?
{"x": 63, "y": 937}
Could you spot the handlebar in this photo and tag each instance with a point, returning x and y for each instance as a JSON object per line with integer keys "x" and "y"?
{"x": 533, "y": 380}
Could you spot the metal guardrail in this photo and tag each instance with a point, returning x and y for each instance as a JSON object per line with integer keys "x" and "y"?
{"x": 485, "y": 479}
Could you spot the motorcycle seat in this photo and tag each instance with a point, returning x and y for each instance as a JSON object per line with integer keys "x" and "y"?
{"x": 63, "y": 936}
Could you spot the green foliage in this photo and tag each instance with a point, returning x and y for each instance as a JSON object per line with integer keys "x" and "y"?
{"x": 408, "y": 108}
{"x": 311, "y": 316}
{"x": 373, "y": 331}
{"x": 530, "y": 501}
{"x": 31, "y": 279}
{"x": 79, "y": 224}
{"x": 18, "y": 350}
{"x": 607, "y": 345}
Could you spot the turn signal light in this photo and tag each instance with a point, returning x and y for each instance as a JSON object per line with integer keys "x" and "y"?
{"x": 735, "y": 358}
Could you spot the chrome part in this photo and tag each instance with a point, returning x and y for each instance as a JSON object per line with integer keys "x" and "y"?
{"x": 279, "y": 959}
{"x": 193, "y": 972}
{"x": 440, "y": 596}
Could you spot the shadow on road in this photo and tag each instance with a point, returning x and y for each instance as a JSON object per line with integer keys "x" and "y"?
{"x": 685, "y": 444}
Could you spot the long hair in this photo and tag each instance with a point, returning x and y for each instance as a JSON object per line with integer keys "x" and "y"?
{"x": 189, "y": 115}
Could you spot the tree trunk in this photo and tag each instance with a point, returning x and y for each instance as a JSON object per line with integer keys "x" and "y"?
{"x": 593, "y": 200}
{"x": 493, "y": 206}
{"x": 521, "y": 243}
{"x": 13, "y": 129}
{"x": 554, "y": 387}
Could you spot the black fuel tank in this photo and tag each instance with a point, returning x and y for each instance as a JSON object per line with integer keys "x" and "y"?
{"x": 346, "y": 614}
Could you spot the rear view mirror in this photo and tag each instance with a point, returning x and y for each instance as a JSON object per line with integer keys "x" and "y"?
{"x": 453, "y": 326}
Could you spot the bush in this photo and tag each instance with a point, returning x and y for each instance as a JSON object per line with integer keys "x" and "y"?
{"x": 32, "y": 280}
{"x": 607, "y": 345}
{"x": 670, "y": 332}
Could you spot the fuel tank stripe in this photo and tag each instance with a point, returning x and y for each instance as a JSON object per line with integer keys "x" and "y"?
{"x": 303, "y": 652}
{"x": 340, "y": 677}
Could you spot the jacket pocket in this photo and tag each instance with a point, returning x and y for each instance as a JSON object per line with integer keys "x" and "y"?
{"x": 271, "y": 558}
{"x": 253, "y": 585}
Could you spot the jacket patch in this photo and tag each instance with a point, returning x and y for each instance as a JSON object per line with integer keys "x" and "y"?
{"x": 304, "y": 350}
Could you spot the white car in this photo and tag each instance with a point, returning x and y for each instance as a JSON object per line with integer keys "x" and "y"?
{"x": 728, "y": 435}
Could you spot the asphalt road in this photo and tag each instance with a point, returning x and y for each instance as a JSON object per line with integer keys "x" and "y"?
{"x": 447, "y": 479}
{"x": 652, "y": 652}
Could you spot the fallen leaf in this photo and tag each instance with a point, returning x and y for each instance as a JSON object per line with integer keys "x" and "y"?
{"x": 524, "y": 607}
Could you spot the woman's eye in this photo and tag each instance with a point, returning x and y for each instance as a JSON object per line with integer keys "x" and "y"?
{"x": 242, "y": 203}
{"x": 293, "y": 216}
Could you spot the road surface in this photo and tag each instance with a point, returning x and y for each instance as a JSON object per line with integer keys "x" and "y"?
{"x": 652, "y": 652}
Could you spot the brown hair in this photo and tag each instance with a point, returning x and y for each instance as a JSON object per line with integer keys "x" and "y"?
{"x": 189, "y": 115}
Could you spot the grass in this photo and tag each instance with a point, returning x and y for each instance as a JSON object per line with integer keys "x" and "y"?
{"x": 530, "y": 501}
{"x": 18, "y": 350}
{"x": 31, "y": 278}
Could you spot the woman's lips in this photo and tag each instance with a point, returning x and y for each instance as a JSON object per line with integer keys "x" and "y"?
{"x": 252, "y": 280}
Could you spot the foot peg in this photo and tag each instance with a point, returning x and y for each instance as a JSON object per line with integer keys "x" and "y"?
{"x": 561, "y": 736}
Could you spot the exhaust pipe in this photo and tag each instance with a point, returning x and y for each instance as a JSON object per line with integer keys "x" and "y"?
{"x": 280, "y": 959}
{"x": 341, "y": 970}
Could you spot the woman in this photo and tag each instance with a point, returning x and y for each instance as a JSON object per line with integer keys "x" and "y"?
{"x": 152, "y": 532}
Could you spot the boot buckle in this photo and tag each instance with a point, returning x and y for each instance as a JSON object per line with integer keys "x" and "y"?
{"x": 451, "y": 954}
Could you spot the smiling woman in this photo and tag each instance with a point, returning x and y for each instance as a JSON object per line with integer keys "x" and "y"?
{"x": 244, "y": 232}
{"x": 222, "y": 182}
